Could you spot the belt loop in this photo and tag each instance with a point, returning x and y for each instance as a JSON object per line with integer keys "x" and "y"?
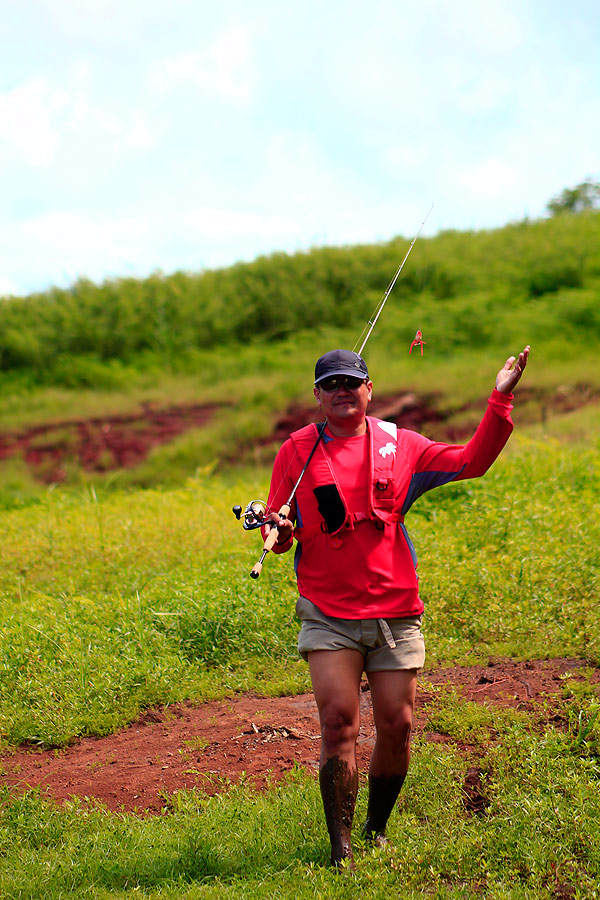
{"x": 387, "y": 633}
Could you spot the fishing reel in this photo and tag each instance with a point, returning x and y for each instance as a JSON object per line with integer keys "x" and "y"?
{"x": 254, "y": 516}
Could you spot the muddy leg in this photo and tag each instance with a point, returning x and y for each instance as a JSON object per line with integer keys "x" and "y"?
{"x": 339, "y": 786}
{"x": 336, "y": 677}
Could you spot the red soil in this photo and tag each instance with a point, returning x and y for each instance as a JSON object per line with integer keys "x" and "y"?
{"x": 124, "y": 441}
{"x": 207, "y": 746}
{"x": 100, "y": 444}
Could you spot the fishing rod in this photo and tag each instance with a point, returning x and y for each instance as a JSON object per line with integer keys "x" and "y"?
{"x": 256, "y": 513}
{"x": 377, "y": 312}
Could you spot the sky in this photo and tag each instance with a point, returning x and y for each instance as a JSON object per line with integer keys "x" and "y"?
{"x": 147, "y": 135}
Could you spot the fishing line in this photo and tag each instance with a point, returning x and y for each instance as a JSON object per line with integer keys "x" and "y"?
{"x": 256, "y": 512}
{"x": 377, "y": 311}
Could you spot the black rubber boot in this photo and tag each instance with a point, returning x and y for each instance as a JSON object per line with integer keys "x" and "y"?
{"x": 383, "y": 793}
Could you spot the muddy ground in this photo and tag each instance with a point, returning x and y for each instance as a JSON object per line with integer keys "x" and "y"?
{"x": 100, "y": 444}
{"x": 208, "y": 746}
{"x": 124, "y": 441}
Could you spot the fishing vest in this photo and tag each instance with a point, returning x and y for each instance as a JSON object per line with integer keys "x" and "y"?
{"x": 326, "y": 510}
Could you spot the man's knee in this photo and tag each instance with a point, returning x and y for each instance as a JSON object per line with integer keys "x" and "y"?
{"x": 339, "y": 727}
{"x": 395, "y": 727}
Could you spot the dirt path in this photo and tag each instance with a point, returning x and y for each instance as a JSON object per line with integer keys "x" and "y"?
{"x": 124, "y": 441}
{"x": 184, "y": 746}
{"x": 100, "y": 444}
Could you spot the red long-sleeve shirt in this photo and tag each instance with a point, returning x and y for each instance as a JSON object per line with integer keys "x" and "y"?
{"x": 364, "y": 572}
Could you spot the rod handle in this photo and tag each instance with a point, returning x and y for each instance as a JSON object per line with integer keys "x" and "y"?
{"x": 270, "y": 541}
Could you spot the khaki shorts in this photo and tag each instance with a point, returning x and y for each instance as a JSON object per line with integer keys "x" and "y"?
{"x": 384, "y": 643}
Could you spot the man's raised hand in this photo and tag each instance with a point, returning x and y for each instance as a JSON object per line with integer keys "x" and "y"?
{"x": 510, "y": 373}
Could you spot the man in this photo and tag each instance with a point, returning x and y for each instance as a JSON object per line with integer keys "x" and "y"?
{"x": 356, "y": 568}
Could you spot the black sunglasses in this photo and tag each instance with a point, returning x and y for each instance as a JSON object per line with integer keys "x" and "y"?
{"x": 332, "y": 384}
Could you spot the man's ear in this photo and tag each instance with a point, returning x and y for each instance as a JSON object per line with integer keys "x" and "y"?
{"x": 317, "y": 395}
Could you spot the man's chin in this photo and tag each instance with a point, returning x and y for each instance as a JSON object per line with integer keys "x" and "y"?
{"x": 346, "y": 414}
{"x": 345, "y": 405}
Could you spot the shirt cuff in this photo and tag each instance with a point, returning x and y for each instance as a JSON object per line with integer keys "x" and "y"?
{"x": 502, "y": 396}
{"x": 500, "y": 402}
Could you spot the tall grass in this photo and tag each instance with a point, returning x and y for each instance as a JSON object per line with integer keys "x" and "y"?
{"x": 246, "y": 338}
{"x": 113, "y": 602}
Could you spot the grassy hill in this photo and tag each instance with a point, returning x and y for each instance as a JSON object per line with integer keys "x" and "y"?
{"x": 469, "y": 286}
{"x": 244, "y": 339}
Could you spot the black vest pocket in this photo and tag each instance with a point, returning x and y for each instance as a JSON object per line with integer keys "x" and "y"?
{"x": 330, "y": 506}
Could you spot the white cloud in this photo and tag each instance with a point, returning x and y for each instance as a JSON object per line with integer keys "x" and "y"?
{"x": 277, "y": 127}
{"x": 298, "y": 177}
{"x": 226, "y": 68}
{"x": 490, "y": 27}
{"x": 328, "y": 203}
{"x": 66, "y": 245}
{"x": 44, "y": 125}
{"x": 230, "y": 224}
{"x": 7, "y": 287}
{"x": 491, "y": 179}
{"x": 139, "y": 135}
{"x": 27, "y": 126}
{"x": 117, "y": 21}
{"x": 102, "y": 121}
{"x": 486, "y": 94}
{"x": 61, "y": 228}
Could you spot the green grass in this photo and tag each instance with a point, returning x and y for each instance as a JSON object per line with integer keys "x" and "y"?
{"x": 512, "y": 561}
{"x": 247, "y": 337}
{"x": 129, "y": 590}
{"x": 111, "y": 605}
{"x": 255, "y": 384}
{"x": 538, "y": 833}
{"x": 114, "y": 602}
{"x": 470, "y": 288}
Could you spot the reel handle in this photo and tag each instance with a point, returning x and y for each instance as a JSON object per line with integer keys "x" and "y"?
{"x": 270, "y": 541}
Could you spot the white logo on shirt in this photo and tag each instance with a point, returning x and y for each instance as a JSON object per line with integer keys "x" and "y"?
{"x": 389, "y": 448}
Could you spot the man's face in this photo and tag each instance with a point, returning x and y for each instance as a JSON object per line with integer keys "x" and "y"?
{"x": 344, "y": 403}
